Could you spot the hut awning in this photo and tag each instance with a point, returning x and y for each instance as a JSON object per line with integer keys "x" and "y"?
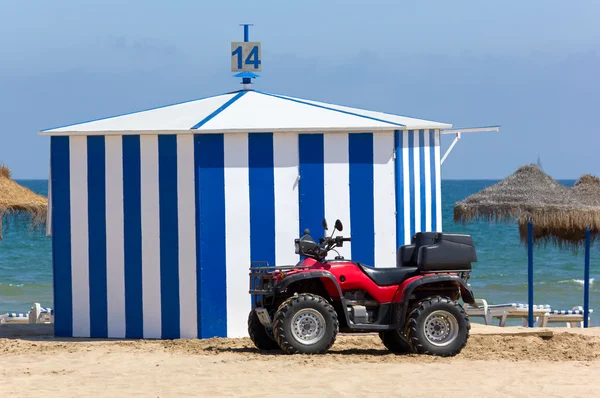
{"x": 248, "y": 111}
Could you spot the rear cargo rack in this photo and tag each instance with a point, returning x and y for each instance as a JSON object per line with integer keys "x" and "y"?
{"x": 262, "y": 279}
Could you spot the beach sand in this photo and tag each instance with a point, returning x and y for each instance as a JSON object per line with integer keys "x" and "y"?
{"x": 35, "y": 364}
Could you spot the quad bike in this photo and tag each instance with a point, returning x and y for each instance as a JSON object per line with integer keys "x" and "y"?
{"x": 413, "y": 306}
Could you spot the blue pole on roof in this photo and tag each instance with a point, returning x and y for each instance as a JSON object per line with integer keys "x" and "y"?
{"x": 530, "y": 273}
{"x": 586, "y": 280}
{"x": 246, "y": 32}
{"x": 246, "y": 80}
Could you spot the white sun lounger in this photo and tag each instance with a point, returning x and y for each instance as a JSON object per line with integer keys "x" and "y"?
{"x": 504, "y": 311}
{"x": 521, "y": 311}
{"x": 570, "y": 317}
{"x": 14, "y": 317}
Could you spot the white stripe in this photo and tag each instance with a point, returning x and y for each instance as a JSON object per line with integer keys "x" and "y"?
{"x": 337, "y": 186}
{"x": 427, "y": 171}
{"x": 186, "y": 197}
{"x": 407, "y": 183}
{"x": 237, "y": 232}
{"x": 80, "y": 273}
{"x": 417, "y": 181}
{"x": 384, "y": 198}
{"x": 115, "y": 252}
{"x": 150, "y": 237}
{"x": 287, "y": 216}
{"x": 438, "y": 181}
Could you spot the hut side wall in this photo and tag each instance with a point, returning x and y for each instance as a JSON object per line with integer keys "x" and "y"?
{"x": 153, "y": 235}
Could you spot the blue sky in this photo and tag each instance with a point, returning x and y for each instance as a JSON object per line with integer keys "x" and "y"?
{"x": 531, "y": 67}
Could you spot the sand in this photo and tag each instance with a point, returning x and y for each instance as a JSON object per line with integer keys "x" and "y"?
{"x": 562, "y": 363}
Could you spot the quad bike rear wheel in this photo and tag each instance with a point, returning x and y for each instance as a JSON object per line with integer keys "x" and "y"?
{"x": 259, "y": 334}
{"x": 305, "y": 324}
{"x": 396, "y": 342}
{"x": 438, "y": 326}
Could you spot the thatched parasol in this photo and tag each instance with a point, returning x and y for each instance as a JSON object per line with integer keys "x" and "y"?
{"x": 545, "y": 209}
{"x": 581, "y": 233}
{"x": 18, "y": 201}
{"x": 584, "y": 214}
{"x": 587, "y": 189}
{"x": 527, "y": 192}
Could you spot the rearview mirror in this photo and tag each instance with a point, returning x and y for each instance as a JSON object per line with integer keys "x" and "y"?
{"x": 306, "y": 231}
{"x": 325, "y": 224}
{"x": 338, "y": 225}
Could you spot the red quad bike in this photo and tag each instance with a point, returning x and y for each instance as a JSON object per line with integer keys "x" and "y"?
{"x": 413, "y": 306}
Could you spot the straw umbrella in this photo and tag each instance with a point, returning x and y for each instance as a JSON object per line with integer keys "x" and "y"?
{"x": 528, "y": 194}
{"x": 587, "y": 192}
{"x": 16, "y": 200}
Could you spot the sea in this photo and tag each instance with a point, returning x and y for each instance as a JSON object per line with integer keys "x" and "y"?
{"x": 499, "y": 276}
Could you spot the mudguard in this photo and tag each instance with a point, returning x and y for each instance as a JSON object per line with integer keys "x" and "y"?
{"x": 330, "y": 282}
{"x": 465, "y": 292}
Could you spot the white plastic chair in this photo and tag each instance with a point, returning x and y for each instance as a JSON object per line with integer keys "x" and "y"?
{"x": 41, "y": 314}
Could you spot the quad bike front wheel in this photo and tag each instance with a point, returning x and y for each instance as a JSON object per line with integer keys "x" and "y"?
{"x": 259, "y": 334}
{"x": 305, "y": 324}
{"x": 438, "y": 326}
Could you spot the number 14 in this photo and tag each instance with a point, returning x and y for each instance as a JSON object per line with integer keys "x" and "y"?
{"x": 251, "y": 59}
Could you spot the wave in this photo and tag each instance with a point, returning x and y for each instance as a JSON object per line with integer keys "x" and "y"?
{"x": 577, "y": 281}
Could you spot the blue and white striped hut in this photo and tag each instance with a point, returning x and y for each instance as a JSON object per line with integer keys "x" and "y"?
{"x": 156, "y": 215}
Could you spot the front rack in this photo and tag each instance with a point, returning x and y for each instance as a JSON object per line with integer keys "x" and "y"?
{"x": 262, "y": 279}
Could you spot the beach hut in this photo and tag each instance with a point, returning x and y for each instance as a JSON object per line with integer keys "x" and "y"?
{"x": 544, "y": 209}
{"x": 157, "y": 215}
{"x": 19, "y": 202}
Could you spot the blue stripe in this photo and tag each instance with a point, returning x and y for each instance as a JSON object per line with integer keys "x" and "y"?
{"x": 96, "y": 176}
{"x": 219, "y": 110}
{"x": 329, "y": 108}
{"x": 262, "y": 198}
{"x": 169, "y": 236}
{"x": 61, "y": 236}
{"x": 411, "y": 179}
{"x": 210, "y": 208}
{"x": 434, "y": 187}
{"x": 312, "y": 184}
{"x": 362, "y": 217}
{"x": 423, "y": 181}
{"x": 399, "y": 187}
{"x": 132, "y": 219}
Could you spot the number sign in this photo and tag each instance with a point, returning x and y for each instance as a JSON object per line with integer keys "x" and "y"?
{"x": 246, "y": 57}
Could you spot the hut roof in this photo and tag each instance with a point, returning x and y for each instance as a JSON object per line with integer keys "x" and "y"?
{"x": 19, "y": 201}
{"x": 248, "y": 111}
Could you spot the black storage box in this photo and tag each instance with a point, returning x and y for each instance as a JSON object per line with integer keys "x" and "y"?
{"x": 436, "y": 251}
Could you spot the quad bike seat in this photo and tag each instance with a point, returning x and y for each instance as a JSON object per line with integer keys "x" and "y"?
{"x": 388, "y": 276}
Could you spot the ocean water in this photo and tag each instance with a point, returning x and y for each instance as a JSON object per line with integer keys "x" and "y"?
{"x": 500, "y": 275}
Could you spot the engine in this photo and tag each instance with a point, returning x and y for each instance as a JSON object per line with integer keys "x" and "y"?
{"x": 361, "y": 309}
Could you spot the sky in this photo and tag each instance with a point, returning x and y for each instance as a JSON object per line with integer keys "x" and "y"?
{"x": 530, "y": 67}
